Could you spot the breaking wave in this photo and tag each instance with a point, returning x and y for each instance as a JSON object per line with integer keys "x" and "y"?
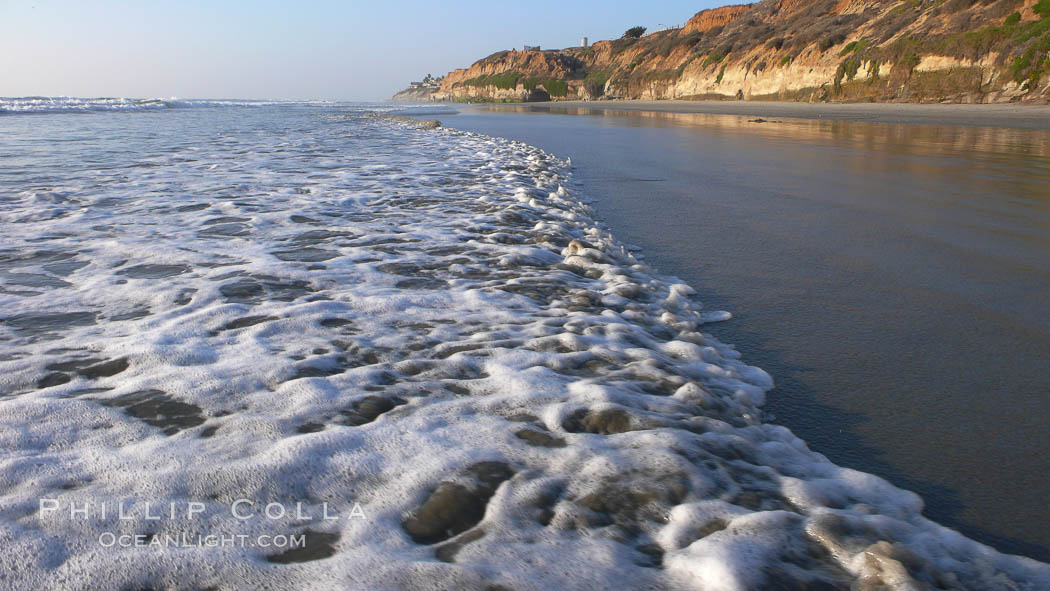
{"x": 62, "y": 104}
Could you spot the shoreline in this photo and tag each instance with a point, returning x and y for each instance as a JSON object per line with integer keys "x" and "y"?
{"x": 668, "y": 160}
{"x": 1016, "y": 116}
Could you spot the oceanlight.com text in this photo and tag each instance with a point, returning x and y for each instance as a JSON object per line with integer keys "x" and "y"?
{"x": 110, "y": 540}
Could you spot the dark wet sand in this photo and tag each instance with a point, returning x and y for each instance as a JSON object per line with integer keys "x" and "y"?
{"x": 894, "y": 279}
{"x": 1014, "y": 116}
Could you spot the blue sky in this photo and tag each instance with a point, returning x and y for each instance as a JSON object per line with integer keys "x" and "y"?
{"x": 321, "y": 49}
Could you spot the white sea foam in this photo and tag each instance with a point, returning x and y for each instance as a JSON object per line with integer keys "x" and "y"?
{"x": 430, "y": 324}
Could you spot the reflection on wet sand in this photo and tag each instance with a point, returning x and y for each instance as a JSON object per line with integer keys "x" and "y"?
{"x": 896, "y": 139}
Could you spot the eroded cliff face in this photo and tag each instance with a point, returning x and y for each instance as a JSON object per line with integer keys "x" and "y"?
{"x": 852, "y": 50}
{"x": 705, "y": 20}
{"x": 509, "y": 75}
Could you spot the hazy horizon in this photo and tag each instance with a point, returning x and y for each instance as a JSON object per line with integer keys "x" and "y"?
{"x": 319, "y": 49}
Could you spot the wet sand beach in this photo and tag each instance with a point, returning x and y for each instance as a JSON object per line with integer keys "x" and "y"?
{"x": 893, "y": 279}
{"x": 1013, "y": 116}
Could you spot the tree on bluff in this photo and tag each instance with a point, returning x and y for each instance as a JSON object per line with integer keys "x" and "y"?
{"x": 634, "y": 32}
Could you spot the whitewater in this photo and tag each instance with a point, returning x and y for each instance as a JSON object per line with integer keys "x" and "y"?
{"x": 415, "y": 349}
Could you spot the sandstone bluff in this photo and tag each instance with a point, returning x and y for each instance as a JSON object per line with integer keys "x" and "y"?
{"x": 963, "y": 51}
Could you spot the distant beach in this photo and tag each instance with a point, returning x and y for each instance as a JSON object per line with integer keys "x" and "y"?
{"x": 1035, "y": 117}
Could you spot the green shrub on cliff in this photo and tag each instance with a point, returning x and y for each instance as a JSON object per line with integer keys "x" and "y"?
{"x": 714, "y": 58}
{"x": 855, "y": 47}
{"x": 504, "y": 80}
{"x": 851, "y": 67}
{"x": 1042, "y": 8}
{"x": 556, "y": 87}
{"x": 848, "y": 70}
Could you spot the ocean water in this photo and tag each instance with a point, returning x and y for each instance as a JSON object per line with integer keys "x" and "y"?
{"x": 223, "y": 325}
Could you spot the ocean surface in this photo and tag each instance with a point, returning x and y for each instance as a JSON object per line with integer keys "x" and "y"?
{"x": 893, "y": 279}
{"x": 227, "y": 324}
